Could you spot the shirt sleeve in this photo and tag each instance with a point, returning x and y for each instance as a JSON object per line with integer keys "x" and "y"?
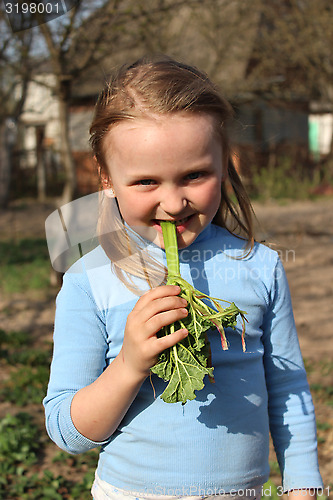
{"x": 78, "y": 359}
{"x": 290, "y": 406}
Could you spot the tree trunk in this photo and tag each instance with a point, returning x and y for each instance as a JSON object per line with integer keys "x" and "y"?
{"x": 5, "y": 166}
{"x": 41, "y": 174}
{"x": 65, "y": 146}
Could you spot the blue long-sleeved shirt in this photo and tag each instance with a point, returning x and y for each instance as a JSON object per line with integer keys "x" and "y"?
{"x": 220, "y": 440}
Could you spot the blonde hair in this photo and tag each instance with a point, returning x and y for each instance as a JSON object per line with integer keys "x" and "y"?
{"x": 161, "y": 85}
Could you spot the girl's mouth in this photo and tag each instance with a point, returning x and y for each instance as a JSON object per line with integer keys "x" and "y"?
{"x": 181, "y": 224}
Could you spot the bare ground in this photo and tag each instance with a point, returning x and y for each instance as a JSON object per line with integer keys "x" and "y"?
{"x": 302, "y": 233}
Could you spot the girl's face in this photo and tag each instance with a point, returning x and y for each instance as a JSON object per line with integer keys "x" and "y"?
{"x": 166, "y": 167}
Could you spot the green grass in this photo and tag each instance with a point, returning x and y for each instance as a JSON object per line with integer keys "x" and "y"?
{"x": 19, "y": 443}
{"x": 20, "y": 448}
{"x": 28, "y": 368}
{"x": 271, "y": 491}
{"x": 325, "y": 390}
{"x": 286, "y": 181}
{"x": 26, "y": 385}
{"x": 25, "y": 265}
{"x": 322, "y": 390}
{"x": 11, "y": 341}
{"x": 22, "y": 440}
{"x": 87, "y": 460}
{"x": 49, "y": 487}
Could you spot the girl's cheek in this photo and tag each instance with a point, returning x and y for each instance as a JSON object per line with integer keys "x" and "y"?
{"x": 211, "y": 194}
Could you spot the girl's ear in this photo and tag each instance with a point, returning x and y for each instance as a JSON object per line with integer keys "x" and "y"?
{"x": 109, "y": 193}
{"x": 106, "y": 183}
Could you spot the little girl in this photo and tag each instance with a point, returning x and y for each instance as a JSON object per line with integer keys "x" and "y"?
{"x": 160, "y": 141}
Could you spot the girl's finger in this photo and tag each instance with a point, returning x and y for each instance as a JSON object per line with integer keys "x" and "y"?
{"x": 165, "y": 318}
{"x": 157, "y": 293}
{"x": 171, "y": 339}
{"x": 161, "y": 305}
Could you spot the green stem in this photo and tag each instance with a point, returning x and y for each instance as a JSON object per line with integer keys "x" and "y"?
{"x": 171, "y": 247}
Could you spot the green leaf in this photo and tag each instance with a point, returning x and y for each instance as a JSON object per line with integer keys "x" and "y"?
{"x": 186, "y": 364}
{"x": 187, "y": 374}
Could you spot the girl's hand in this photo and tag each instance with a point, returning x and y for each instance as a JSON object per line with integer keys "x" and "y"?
{"x": 157, "y": 308}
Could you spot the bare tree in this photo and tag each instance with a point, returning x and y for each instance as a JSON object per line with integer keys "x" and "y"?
{"x": 292, "y": 58}
{"x": 293, "y": 53}
{"x": 222, "y": 36}
{"x": 15, "y": 73}
{"x": 82, "y": 41}
{"x": 280, "y": 48}
{"x": 57, "y": 38}
{"x": 162, "y": 26}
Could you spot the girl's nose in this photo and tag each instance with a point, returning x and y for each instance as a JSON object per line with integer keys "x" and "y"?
{"x": 173, "y": 201}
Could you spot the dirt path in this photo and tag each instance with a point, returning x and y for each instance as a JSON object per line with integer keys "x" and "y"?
{"x": 302, "y": 233}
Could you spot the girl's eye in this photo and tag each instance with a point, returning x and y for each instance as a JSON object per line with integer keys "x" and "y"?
{"x": 194, "y": 176}
{"x": 146, "y": 182}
